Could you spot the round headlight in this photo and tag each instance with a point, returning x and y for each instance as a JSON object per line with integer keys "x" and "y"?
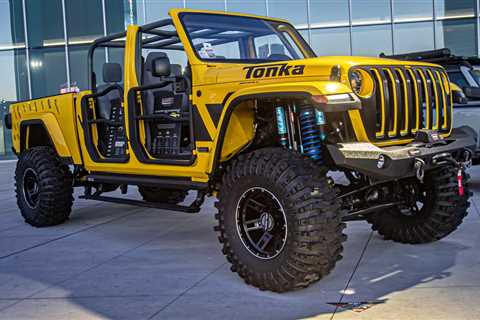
{"x": 361, "y": 83}
{"x": 356, "y": 82}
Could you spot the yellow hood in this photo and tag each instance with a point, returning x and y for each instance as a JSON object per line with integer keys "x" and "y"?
{"x": 300, "y": 70}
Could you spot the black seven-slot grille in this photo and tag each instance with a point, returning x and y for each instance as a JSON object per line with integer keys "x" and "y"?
{"x": 404, "y": 100}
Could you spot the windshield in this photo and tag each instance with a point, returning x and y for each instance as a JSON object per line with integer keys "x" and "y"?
{"x": 226, "y": 38}
{"x": 458, "y": 78}
{"x": 476, "y": 75}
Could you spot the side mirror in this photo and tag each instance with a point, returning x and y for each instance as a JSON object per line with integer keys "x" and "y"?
{"x": 161, "y": 67}
{"x": 472, "y": 92}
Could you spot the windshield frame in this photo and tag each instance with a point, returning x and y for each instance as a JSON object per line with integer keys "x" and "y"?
{"x": 293, "y": 33}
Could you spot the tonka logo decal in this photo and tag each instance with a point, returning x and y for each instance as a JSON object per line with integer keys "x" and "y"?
{"x": 274, "y": 70}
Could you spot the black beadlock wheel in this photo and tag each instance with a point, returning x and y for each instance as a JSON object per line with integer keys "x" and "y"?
{"x": 279, "y": 220}
{"x": 43, "y": 186}
{"x": 161, "y": 195}
{"x": 433, "y": 209}
{"x": 261, "y": 223}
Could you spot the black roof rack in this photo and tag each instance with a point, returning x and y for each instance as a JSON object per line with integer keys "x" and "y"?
{"x": 442, "y": 57}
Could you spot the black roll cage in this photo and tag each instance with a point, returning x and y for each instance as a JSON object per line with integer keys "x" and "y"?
{"x": 158, "y": 39}
{"x": 169, "y": 40}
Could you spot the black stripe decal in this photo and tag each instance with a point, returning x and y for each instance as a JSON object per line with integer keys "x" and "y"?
{"x": 215, "y": 111}
{"x": 200, "y": 131}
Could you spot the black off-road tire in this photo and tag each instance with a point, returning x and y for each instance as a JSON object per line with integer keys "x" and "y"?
{"x": 315, "y": 232}
{"x": 442, "y": 213}
{"x": 160, "y": 195}
{"x": 54, "y": 185}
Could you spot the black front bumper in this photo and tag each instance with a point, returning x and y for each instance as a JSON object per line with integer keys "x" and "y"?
{"x": 399, "y": 161}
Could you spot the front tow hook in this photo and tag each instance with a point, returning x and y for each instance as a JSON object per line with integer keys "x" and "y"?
{"x": 419, "y": 169}
{"x": 462, "y": 165}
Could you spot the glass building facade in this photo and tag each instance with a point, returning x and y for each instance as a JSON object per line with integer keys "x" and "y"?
{"x": 44, "y": 43}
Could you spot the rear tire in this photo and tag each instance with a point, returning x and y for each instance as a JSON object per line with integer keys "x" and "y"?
{"x": 442, "y": 212}
{"x": 161, "y": 195}
{"x": 292, "y": 192}
{"x": 44, "y": 188}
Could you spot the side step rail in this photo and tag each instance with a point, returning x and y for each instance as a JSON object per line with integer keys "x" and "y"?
{"x": 176, "y": 183}
{"x": 193, "y": 208}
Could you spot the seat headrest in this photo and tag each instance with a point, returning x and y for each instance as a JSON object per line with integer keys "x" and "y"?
{"x": 152, "y": 56}
{"x": 112, "y": 72}
{"x": 162, "y": 62}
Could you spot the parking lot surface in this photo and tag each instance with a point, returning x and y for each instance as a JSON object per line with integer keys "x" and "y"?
{"x": 112, "y": 261}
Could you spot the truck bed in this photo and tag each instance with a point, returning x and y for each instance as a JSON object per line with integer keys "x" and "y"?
{"x": 56, "y": 115}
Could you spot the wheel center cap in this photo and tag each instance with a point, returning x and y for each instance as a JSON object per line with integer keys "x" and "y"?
{"x": 266, "y": 221}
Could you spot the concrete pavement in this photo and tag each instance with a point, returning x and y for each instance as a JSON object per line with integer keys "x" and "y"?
{"x": 113, "y": 261}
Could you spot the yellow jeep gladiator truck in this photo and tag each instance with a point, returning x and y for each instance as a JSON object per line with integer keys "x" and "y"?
{"x": 256, "y": 120}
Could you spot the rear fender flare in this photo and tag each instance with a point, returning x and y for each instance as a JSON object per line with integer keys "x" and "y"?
{"x": 53, "y": 131}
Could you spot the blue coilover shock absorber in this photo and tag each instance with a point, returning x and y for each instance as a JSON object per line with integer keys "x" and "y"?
{"x": 282, "y": 126}
{"x": 312, "y": 123}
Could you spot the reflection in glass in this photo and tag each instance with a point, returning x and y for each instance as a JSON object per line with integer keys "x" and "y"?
{"x": 370, "y": 11}
{"x": 293, "y": 11}
{"x": 371, "y": 40}
{"x": 118, "y": 16}
{"x": 84, "y": 20}
{"x": 158, "y": 9}
{"x": 13, "y": 82}
{"x": 206, "y": 4}
{"x": 405, "y": 10}
{"x": 130, "y": 12}
{"x": 141, "y": 11}
{"x": 79, "y": 66}
{"x": 328, "y": 12}
{"x": 11, "y": 24}
{"x": 247, "y": 6}
{"x": 416, "y": 36}
{"x": 5, "y": 134}
{"x": 2, "y": 139}
{"x": 116, "y": 55}
{"x": 458, "y": 35}
{"x": 454, "y": 8}
{"x": 2, "y": 134}
{"x": 48, "y": 71}
{"x": 330, "y": 41}
{"x": 8, "y": 143}
{"x": 44, "y": 23}
{"x": 3, "y": 111}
